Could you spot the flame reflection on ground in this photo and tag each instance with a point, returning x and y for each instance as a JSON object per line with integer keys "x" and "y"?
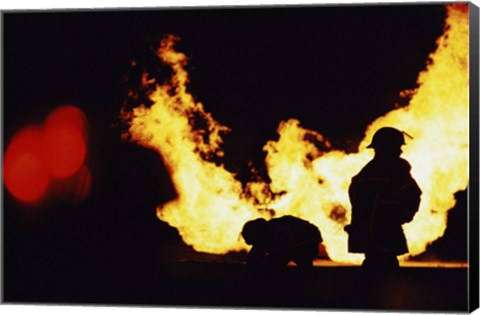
{"x": 403, "y": 264}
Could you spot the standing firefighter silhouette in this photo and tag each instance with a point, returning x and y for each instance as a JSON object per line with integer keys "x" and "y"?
{"x": 383, "y": 196}
{"x": 280, "y": 241}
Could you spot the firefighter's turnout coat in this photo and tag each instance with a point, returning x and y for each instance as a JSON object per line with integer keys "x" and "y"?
{"x": 383, "y": 196}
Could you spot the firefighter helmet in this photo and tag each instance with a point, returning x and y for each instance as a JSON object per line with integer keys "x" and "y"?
{"x": 387, "y": 137}
{"x": 254, "y": 230}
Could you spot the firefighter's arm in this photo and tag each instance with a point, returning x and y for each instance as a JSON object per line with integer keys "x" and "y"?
{"x": 410, "y": 200}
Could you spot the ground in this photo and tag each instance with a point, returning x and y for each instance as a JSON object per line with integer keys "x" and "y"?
{"x": 233, "y": 285}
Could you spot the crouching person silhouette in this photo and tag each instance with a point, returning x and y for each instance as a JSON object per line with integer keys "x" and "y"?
{"x": 280, "y": 241}
{"x": 383, "y": 196}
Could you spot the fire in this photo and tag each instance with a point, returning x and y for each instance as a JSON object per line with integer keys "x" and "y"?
{"x": 308, "y": 181}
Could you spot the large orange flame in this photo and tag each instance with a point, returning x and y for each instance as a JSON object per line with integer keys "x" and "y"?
{"x": 306, "y": 181}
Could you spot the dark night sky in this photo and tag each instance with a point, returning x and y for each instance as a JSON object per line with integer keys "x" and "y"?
{"x": 334, "y": 68}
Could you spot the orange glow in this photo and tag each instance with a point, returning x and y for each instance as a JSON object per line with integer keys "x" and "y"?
{"x": 63, "y": 143}
{"x": 306, "y": 181}
{"x": 25, "y": 176}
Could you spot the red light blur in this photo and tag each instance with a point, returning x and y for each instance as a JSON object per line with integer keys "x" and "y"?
{"x": 25, "y": 176}
{"x": 63, "y": 143}
{"x": 39, "y": 156}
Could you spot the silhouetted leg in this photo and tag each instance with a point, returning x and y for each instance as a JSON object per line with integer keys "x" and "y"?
{"x": 380, "y": 261}
{"x": 278, "y": 260}
{"x": 304, "y": 256}
{"x": 257, "y": 257}
{"x": 304, "y": 263}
